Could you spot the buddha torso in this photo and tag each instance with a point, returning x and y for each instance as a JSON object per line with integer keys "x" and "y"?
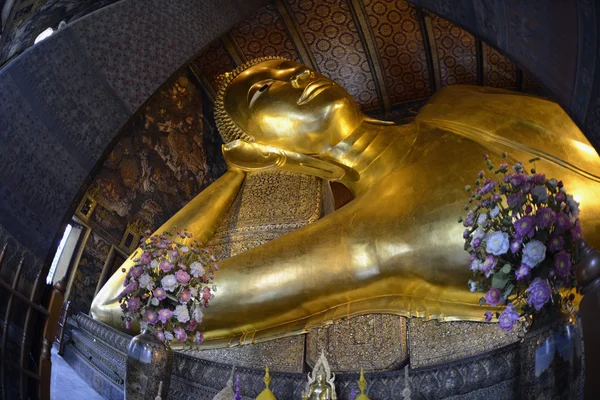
{"x": 397, "y": 247}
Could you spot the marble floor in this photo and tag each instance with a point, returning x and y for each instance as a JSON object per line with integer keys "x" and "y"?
{"x": 67, "y": 384}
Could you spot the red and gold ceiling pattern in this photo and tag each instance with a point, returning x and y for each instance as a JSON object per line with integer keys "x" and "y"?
{"x": 263, "y": 34}
{"x": 456, "y": 55}
{"x": 500, "y": 72}
{"x": 399, "y": 39}
{"x": 213, "y": 61}
{"x": 385, "y": 53}
{"x": 331, "y": 33}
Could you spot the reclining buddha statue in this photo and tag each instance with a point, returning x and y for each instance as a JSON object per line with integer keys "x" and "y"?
{"x": 396, "y": 248}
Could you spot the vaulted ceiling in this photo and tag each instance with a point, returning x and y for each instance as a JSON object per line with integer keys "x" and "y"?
{"x": 389, "y": 55}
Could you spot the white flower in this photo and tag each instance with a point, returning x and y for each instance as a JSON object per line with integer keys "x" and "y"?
{"x": 472, "y": 285}
{"x": 194, "y": 291}
{"x": 198, "y": 315}
{"x": 146, "y": 282}
{"x": 534, "y": 253}
{"x": 494, "y": 212}
{"x": 475, "y": 265}
{"x": 153, "y": 264}
{"x": 482, "y": 219}
{"x": 185, "y": 249}
{"x": 169, "y": 282}
{"x": 182, "y": 314}
{"x": 497, "y": 243}
{"x": 573, "y": 206}
{"x": 154, "y": 301}
{"x": 169, "y": 336}
{"x": 540, "y": 194}
{"x": 478, "y": 234}
{"x": 196, "y": 269}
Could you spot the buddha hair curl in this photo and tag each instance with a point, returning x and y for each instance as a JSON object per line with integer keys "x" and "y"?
{"x": 227, "y": 127}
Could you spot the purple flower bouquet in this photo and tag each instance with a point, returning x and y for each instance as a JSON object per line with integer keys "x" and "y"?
{"x": 169, "y": 286}
{"x": 521, "y": 231}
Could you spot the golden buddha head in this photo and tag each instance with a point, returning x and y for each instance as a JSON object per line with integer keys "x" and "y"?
{"x": 285, "y": 104}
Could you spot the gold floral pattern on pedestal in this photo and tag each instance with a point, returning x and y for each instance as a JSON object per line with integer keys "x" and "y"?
{"x": 375, "y": 342}
{"x": 433, "y": 342}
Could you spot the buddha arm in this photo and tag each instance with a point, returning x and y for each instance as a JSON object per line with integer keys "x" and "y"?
{"x": 200, "y": 216}
{"x": 253, "y": 157}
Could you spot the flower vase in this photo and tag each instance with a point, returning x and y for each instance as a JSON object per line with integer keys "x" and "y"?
{"x": 551, "y": 357}
{"x": 149, "y": 365}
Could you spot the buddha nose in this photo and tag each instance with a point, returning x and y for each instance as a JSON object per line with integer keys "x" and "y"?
{"x": 301, "y": 78}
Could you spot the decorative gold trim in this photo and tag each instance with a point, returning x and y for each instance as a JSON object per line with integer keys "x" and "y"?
{"x": 87, "y": 205}
{"x": 433, "y": 50}
{"x": 295, "y": 33}
{"x": 367, "y": 37}
{"x": 233, "y": 49}
{"x": 135, "y": 231}
{"x": 202, "y": 81}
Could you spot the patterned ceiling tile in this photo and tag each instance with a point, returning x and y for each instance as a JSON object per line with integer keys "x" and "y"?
{"x": 263, "y": 34}
{"x": 214, "y": 60}
{"x": 331, "y": 33}
{"x": 500, "y": 71}
{"x": 400, "y": 42}
{"x": 455, "y": 52}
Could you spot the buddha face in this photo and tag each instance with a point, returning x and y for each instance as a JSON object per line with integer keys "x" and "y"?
{"x": 287, "y": 105}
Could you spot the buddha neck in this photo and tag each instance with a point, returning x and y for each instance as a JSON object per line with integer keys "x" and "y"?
{"x": 372, "y": 151}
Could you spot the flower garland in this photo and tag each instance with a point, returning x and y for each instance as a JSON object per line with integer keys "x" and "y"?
{"x": 521, "y": 233}
{"x": 169, "y": 286}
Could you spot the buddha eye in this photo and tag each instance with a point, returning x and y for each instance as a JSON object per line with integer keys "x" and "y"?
{"x": 258, "y": 89}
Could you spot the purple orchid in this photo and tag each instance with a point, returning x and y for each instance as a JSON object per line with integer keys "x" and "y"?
{"x": 160, "y": 293}
{"x": 182, "y": 276}
{"x": 151, "y": 317}
{"x": 556, "y": 243}
{"x": 165, "y": 315}
{"x": 508, "y": 317}
{"x": 522, "y": 272}
{"x": 488, "y": 316}
{"x": 562, "y": 264}
{"x": 524, "y": 227}
{"x": 494, "y": 297}
{"x": 545, "y": 217}
{"x": 539, "y": 293}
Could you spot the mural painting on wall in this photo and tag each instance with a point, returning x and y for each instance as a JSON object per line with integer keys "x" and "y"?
{"x": 168, "y": 156}
{"x": 88, "y": 273}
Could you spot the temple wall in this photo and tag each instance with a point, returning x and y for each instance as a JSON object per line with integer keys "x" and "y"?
{"x": 63, "y": 101}
{"x": 170, "y": 153}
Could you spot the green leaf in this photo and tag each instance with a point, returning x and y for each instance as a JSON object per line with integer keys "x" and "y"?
{"x": 508, "y": 290}
{"x": 499, "y": 280}
{"x": 506, "y": 268}
{"x": 482, "y": 301}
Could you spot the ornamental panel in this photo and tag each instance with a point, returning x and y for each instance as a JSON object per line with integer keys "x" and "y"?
{"x": 263, "y": 35}
{"x": 333, "y": 38}
{"x": 455, "y": 50}
{"x": 399, "y": 39}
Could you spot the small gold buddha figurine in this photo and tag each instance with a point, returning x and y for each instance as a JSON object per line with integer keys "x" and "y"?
{"x": 320, "y": 384}
{"x": 397, "y": 247}
{"x": 266, "y": 394}
{"x": 362, "y": 385}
